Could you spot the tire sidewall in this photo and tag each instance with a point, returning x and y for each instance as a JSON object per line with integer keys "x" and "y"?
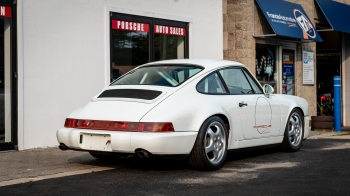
{"x": 286, "y": 134}
{"x": 202, "y": 134}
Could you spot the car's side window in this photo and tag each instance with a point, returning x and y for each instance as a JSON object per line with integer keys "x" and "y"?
{"x": 252, "y": 82}
{"x": 211, "y": 85}
{"x": 236, "y": 81}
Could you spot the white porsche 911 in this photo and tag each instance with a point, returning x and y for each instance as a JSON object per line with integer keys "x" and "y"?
{"x": 193, "y": 109}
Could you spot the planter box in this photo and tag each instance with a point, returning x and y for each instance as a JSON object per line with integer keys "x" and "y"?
{"x": 322, "y": 122}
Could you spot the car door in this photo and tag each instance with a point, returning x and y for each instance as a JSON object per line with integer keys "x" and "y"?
{"x": 267, "y": 118}
{"x": 254, "y": 108}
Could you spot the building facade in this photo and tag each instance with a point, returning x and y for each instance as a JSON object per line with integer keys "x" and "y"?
{"x": 258, "y": 33}
{"x": 65, "y": 52}
{"x": 56, "y": 55}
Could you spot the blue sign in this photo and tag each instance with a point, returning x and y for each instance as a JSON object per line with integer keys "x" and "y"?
{"x": 289, "y": 20}
{"x": 288, "y": 70}
{"x": 337, "y": 14}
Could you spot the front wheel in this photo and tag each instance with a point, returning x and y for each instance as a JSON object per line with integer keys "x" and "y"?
{"x": 210, "y": 148}
{"x": 294, "y": 132}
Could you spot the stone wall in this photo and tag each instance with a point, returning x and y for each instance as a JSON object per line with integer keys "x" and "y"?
{"x": 239, "y": 44}
{"x": 241, "y": 22}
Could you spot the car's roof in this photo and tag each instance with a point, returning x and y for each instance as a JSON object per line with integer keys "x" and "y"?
{"x": 206, "y": 63}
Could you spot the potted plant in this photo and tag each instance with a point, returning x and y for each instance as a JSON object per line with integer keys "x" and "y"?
{"x": 324, "y": 120}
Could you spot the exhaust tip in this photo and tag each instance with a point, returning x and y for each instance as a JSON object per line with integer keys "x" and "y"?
{"x": 141, "y": 153}
{"x": 62, "y": 146}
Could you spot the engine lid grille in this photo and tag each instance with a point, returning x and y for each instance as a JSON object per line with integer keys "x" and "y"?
{"x": 130, "y": 93}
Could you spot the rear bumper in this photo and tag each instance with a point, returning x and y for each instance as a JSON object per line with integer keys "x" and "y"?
{"x": 127, "y": 142}
{"x": 307, "y": 126}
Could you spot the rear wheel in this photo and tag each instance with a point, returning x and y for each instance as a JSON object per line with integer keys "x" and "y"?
{"x": 210, "y": 149}
{"x": 294, "y": 132}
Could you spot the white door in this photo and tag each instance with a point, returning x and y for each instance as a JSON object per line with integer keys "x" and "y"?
{"x": 259, "y": 118}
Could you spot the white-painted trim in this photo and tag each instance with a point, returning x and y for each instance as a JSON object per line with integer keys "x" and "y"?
{"x": 20, "y": 75}
{"x": 190, "y": 40}
{"x": 107, "y": 45}
{"x": 111, "y": 8}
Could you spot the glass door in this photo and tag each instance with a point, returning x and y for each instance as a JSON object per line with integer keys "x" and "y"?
{"x": 288, "y": 75}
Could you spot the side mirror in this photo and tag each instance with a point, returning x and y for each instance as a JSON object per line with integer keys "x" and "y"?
{"x": 268, "y": 90}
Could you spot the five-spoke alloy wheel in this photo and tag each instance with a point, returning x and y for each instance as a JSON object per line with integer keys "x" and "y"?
{"x": 294, "y": 132}
{"x": 210, "y": 149}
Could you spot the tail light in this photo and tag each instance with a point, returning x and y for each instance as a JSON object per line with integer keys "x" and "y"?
{"x": 118, "y": 126}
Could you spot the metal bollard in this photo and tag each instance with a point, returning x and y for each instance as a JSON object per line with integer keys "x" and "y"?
{"x": 337, "y": 103}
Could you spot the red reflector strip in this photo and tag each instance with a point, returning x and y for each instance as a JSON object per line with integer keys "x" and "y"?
{"x": 118, "y": 126}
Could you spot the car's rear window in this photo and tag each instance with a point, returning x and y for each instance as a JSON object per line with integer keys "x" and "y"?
{"x": 161, "y": 75}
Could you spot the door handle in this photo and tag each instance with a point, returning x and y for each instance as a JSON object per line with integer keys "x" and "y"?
{"x": 242, "y": 104}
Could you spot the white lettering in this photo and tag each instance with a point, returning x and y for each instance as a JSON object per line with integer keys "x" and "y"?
{"x": 127, "y": 25}
{"x": 138, "y": 27}
{"x": 135, "y": 26}
{"x": 182, "y": 31}
{"x": 118, "y": 24}
{"x": 122, "y": 25}
{"x": 2, "y": 11}
{"x": 280, "y": 17}
{"x": 142, "y": 27}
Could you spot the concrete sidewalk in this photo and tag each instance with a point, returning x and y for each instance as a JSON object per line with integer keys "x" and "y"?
{"x": 322, "y": 133}
{"x": 46, "y": 163}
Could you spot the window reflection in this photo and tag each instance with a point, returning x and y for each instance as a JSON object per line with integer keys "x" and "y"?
{"x": 130, "y": 49}
{"x": 265, "y": 65}
{"x": 169, "y": 47}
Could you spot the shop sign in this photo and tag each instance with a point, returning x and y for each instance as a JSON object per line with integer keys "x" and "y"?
{"x": 130, "y": 26}
{"x": 289, "y": 20}
{"x": 308, "y": 68}
{"x": 328, "y": 56}
{"x": 5, "y": 11}
{"x": 161, "y": 29}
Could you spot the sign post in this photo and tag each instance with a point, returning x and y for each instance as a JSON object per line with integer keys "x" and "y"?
{"x": 337, "y": 103}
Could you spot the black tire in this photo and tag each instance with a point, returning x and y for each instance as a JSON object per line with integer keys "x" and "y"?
{"x": 106, "y": 156}
{"x": 294, "y": 132}
{"x": 216, "y": 143}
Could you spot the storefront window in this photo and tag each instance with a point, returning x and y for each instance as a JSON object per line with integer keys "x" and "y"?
{"x": 288, "y": 77}
{"x": 130, "y": 46}
{"x": 138, "y": 40}
{"x": 265, "y": 65}
{"x": 169, "y": 42}
{"x": 5, "y": 74}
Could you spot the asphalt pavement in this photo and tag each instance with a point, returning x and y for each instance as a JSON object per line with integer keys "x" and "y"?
{"x": 321, "y": 167}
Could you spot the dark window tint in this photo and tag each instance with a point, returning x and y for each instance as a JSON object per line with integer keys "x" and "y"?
{"x": 168, "y": 47}
{"x": 211, "y": 85}
{"x": 160, "y": 75}
{"x": 236, "y": 81}
{"x": 252, "y": 82}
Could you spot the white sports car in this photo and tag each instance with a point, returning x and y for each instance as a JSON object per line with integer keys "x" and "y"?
{"x": 193, "y": 109}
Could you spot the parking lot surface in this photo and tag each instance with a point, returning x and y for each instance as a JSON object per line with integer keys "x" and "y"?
{"x": 321, "y": 167}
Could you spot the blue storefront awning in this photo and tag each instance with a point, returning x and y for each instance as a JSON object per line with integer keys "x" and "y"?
{"x": 337, "y": 14}
{"x": 288, "y": 20}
